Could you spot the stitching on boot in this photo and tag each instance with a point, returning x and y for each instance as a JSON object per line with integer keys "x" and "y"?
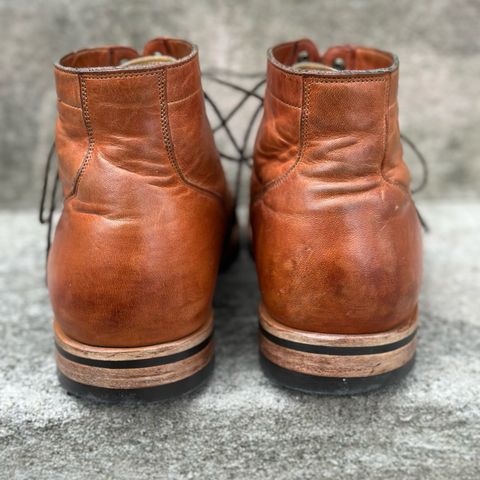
{"x": 91, "y": 140}
{"x": 167, "y": 140}
{"x": 386, "y": 133}
{"x": 303, "y": 125}
{"x": 307, "y": 83}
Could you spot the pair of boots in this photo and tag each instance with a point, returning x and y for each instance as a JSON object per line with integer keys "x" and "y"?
{"x": 148, "y": 219}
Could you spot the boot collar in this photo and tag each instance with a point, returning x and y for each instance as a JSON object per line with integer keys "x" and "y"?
{"x": 346, "y": 60}
{"x": 109, "y": 59}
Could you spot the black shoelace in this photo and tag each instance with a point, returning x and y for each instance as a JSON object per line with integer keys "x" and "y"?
{"x": 48, "y": 218}
{"x": 242, "y": 157}
{"x": 240, "y": 148}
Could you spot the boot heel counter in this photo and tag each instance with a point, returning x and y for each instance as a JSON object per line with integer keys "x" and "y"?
{"x": 334, "y": 273}
{"x": 104, "y": 292}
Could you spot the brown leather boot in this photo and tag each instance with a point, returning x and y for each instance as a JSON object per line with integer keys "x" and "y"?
{"x": 133, "y": 265}
{"x": 337, "y": 241}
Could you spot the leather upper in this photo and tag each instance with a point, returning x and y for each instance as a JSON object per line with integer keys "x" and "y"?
{"x": 336, "y": 236}
{"x": 137, "y": 249}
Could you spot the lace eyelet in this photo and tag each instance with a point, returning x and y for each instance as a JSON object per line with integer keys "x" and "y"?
{"x": 338, "y": 63}
{"x": 303, "y": 56}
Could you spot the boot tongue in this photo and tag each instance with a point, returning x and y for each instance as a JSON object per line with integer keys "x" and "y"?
{"x": 307, "y": 57}
{"x": 321, "y": 67}
{"x": 148, "y": 60}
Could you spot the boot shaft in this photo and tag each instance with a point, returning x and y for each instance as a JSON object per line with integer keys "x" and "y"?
{"x": 330, "y": 125}
{"x": 147, "y": 118}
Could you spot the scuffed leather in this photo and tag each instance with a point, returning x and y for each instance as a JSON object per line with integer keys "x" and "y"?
{"x": 336, "y": 236}
{"x": 136, "y": 252}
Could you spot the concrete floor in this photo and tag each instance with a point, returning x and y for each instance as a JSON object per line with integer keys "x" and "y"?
{"x": 240, "y": 426}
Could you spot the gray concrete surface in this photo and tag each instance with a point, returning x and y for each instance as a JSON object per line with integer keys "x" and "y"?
{"x": 240, "y": 426}
{"x": 437, "y": 41}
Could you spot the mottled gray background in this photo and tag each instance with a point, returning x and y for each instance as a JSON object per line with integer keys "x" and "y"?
{"x": 240, "y": 425}
{"x": 438, "y": 43}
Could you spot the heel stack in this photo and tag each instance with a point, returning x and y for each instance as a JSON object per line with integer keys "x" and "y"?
{"x": 155, "y": 372}
{"x": 335, "y": 364}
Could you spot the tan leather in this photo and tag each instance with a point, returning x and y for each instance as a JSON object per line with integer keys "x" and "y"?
{"x": 336, "y": 237}
{"x": 137, "y": 249}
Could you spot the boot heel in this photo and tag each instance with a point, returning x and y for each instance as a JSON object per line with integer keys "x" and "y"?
{"x": 335, "y": 364}
{"x": 155, "y": 372}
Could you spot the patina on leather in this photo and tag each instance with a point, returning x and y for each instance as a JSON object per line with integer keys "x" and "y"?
{"x": 137, "y": 248}
{"x": 336, "y": 237}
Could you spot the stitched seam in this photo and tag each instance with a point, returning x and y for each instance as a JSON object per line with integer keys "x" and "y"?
{"x": 108, "y": 76}
{"x": 387, "y": 130}
{"x": 377, "y": 76}
{"x": 303, "y": 123}
{"x": 91, "y": 140}
{"x": 68, "y": 104}
{"x": 347, "y": 80}
{"x": 152, "y": 71}
{"x": 386, "y": 126}
{"x": 308, "y": 81}
{"x": 380, "y": 76}
{"x": 283, "y": 101}
{"x": 167, "y": 140}
{"x": 157, "y": 73}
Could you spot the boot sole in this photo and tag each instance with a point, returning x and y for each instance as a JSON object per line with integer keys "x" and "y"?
{"x": 156, "y": 372}
{"x": 332, "y": 364}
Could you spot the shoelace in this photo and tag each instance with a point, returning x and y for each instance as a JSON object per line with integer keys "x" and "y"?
{"x": 48, "y": 219}
{"x": 241, "y": 148}
{"x": 242, "y": 158}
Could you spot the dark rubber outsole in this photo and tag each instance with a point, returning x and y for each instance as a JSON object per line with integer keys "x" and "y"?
{"x": 331, "y": 385}
{"x": 151, "y": 394}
